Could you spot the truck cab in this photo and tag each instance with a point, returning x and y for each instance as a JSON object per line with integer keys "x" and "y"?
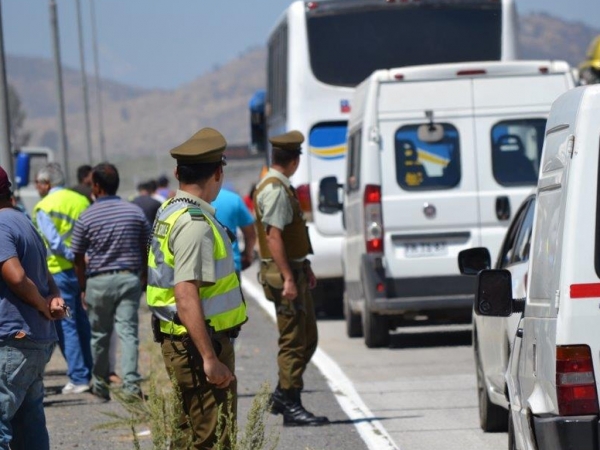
{"x": 28, "y": 161}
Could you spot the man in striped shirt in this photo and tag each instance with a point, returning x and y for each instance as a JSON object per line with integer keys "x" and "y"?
{"x": 114, "y": 234}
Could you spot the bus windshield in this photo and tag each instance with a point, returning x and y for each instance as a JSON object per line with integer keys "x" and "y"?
{"x": 347, "y": 46}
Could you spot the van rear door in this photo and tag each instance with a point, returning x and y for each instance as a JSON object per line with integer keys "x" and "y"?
{"x": 428, "y": 193}
{"x": 510, "y": 118}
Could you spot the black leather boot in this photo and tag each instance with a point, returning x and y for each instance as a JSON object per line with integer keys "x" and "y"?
{"x": 278, "y": 401}
{"x": 296, "y": 415}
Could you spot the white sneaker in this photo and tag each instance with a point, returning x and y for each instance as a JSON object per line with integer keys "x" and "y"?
{"x": 71, "y": 388}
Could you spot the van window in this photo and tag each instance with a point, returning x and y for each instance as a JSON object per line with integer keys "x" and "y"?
{"x": 523, "y": 244}
{"x": 516, "y": 151}
{"x": 427, "y": 165}
{"x": 353, "y": 172}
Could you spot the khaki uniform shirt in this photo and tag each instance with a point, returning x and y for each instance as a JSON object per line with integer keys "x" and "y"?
{"x": 274, "y": 203}
{"x": 192, "y": 242}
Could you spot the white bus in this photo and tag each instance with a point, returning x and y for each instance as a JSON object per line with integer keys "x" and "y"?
{"x": 319, "y": 51}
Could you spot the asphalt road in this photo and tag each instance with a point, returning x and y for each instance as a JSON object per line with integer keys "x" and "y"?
{"x": 72, "y": 419}
{"x": 421, "y": 389}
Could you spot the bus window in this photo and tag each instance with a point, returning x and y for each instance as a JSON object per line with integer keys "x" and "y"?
{"x": 516, "y": 151}
{"x": 326, "y": 143}
{"x": 427, "y": 165}
{"x": 346, "y": 47}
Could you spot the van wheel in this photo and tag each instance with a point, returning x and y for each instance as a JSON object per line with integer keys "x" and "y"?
{"x": 327, "y": 297}
{"x": 492, "y": 418}
{"x": 376, "y": 330}
{"x": 354, "y": 326}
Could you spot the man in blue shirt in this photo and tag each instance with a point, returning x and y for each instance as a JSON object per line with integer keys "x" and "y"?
{"x": 29, "y": 302}
{"x": 55, "y": 215}
{"x": 232, "y": 212}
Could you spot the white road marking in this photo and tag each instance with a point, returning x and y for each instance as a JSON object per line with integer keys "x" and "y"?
{"x": 371, "y": 431}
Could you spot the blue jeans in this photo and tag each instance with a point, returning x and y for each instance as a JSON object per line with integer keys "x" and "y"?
{"x": 74, "y": 333}
{"x": 113, "y": 300}
{"x": 22, "y": 419}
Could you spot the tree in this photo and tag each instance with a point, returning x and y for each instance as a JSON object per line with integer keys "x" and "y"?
{"x": 19, "y": 136}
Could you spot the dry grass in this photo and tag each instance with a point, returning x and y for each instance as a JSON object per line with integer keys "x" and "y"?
{"x": 161, "y": 412}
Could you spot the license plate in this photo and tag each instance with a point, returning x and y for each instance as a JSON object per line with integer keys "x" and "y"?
{"x": 424, "y": 249}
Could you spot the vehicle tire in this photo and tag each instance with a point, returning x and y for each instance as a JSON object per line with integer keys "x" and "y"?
{"x": 492, "y": 418}
{"x": 354, "y": 326}
{"x": 327, "y": 297}
{"x": 376, "y": 330}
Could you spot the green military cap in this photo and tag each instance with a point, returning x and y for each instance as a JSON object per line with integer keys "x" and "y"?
{"x": 289, "y": 141}
{"x": 206, "y": 146}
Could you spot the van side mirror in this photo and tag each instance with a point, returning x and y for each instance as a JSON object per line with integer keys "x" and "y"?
{"x": 474, "y": 260}
{"x": 494, "y": 293}
{"x": 329, "y": 195}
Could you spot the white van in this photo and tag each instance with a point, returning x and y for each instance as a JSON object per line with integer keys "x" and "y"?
{"x": 493, "y": 336}
{"x": 439, "y": 157}
{"x": 554, "y": 368}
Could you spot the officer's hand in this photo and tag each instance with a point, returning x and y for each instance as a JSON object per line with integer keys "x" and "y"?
{"x": 290, "y": 291}
{"x": 217, "y": 373}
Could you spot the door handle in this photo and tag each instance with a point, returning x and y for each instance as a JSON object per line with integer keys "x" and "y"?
{"x": 503, "y": 208}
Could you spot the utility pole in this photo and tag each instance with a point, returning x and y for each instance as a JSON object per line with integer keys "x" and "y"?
{"x": 6, "y": 157}
{"x": 98, "y": 85}
{"x": 62, "y": 135}
{"x": 86, "y": 107}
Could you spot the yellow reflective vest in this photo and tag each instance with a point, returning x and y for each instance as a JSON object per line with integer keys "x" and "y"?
{"x": 222, "y": 302}
{"x": 64, "y": 207}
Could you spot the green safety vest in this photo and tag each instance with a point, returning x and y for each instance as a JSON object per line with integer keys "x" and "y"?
{"x": 222, "y": 303}
{"x": 64, "y": 208}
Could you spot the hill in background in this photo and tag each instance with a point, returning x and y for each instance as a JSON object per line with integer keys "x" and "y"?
{"x": 140, "y": 122}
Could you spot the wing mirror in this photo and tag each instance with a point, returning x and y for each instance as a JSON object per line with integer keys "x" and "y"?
{"x": 494, "y": 294}
{"x": 329, "y": 195}
{"x": 474, "y": 260}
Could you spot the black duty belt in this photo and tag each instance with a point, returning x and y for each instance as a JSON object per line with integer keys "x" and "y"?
{"x": 111, "y": 272}
{"x": 181, "y": 337}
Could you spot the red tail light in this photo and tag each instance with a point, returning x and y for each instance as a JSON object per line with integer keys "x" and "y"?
{"x": 471, "y": 72}
{"x": 575, "y": 381}
{"x": 373, "y": 219}
{"x": 303, "y": 193}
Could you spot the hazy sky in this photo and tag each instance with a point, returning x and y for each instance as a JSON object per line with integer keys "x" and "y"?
{"x": 165, "y": 43}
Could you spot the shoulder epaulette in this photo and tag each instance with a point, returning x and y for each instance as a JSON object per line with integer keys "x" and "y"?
{"x": 196, "y": 213}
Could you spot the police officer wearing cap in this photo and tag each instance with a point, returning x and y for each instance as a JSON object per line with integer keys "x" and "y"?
{"x": 194, "y": 292}
{"x": 287, "y": 277}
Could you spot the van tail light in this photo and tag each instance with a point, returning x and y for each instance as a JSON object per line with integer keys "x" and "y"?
{"x": 303, "y": 193}
{"x": 373, "y": 219}
{"x": 575, "y": 381}
{"x": 468, "y": 73}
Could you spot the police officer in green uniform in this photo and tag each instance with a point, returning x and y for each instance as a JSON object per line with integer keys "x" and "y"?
{"x": 286, "y": 277}
{"x": 194, "y": 292}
